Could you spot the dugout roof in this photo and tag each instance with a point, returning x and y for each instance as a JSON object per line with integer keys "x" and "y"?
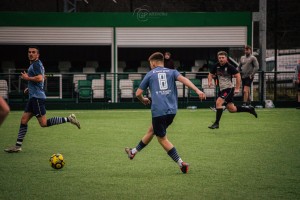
{"x": 138, "y": 29}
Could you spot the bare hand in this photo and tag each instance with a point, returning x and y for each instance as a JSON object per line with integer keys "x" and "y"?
{"x": 202, "y": 96}
{"x": 24, "y": 75}
{"x": 146, "y": 101}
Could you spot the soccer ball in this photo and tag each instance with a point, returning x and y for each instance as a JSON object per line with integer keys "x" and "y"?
{"x": 57, "y": 161}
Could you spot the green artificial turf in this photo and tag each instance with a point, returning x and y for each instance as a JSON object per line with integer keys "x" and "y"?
{"x": 246, "y": 158}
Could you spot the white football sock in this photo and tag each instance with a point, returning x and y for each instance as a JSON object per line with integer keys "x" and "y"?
{"x": 134, "y": 151}
{"x": 179, "y": 162}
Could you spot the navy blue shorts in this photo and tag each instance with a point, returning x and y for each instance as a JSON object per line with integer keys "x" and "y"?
{"x": 161, "y": 123}
{"x": 227, "y": 95}
{"x": 36, "y": 106}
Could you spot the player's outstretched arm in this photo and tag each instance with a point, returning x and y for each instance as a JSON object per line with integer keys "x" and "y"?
{"x": 238, "y": 83}
{"x": 191, "y": 85}
{"x": 209, "y": 79}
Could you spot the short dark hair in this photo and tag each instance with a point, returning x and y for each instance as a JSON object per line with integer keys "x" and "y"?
{"x": 248, "y": 47}
{"x": 157, "y": 56}
{"x": 223, "y": 53}
{"x": 35, "y": 47}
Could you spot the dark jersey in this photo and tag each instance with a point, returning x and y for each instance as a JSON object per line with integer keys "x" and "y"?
{"x": 224, "y": 75}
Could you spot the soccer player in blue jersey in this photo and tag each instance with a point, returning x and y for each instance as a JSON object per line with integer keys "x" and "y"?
{"x": 162, "y": 85}
{"x": 35, "y": 76}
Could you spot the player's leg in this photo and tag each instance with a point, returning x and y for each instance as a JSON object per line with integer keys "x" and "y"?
{"x": 250, "y": 109}
{"x": 142, "y": 144}
{"x": 231, "y": 107}
{"x": 58, "y": 120}
{"x": 26, "y": 116}
{"x": 172, "y": 152}
{"x": 219, "y": 111}
{"x": 4, "y": 110}
{"x": 40, "y": 112}
{"x": 44, "y": 122}
{"x": 245, "y": 98}
{"x": 160, "y": 125}
{"x": 217, "y": 89}
{"x": 21, "y": 134}
{"x": 246, "y": 95}
{"x": 246, "y": 91}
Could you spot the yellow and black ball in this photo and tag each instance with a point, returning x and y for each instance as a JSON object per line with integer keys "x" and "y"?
{"x": 57, "y": 161}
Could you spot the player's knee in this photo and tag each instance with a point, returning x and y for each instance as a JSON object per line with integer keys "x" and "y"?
{"x": 43, "y": 124}
{"x": 24, "y": 121}
{"x": 231, "y": 110}
{"x": 219, "y": 102}
{"x": 6, "y": 110}
{"x": 162, "y": 139}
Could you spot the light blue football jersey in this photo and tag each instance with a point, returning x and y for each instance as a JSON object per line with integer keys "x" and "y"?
{"x": 162, "y": 85}
{"x": 36, "y": 89}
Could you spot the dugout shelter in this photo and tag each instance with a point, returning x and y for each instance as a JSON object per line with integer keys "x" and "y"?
{"x": 125, "y": 31}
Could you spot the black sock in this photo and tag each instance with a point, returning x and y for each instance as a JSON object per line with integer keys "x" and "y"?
{"x": 21, "y": 134}
{"x": 140, "y": 146}
{"x": 218, "y": 115}
{"x": 242, "y": 109}
{"x": 56, "y": 120}
{"x": 173, "y": 154}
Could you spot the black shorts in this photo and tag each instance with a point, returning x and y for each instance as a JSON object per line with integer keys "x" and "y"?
{"x": 161, "y": 123}
{"x": 227, "y": 95}
{"x": 298, "y": 87}
{"x": 247, "y": 81}
{"x": 36, "y": 106}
